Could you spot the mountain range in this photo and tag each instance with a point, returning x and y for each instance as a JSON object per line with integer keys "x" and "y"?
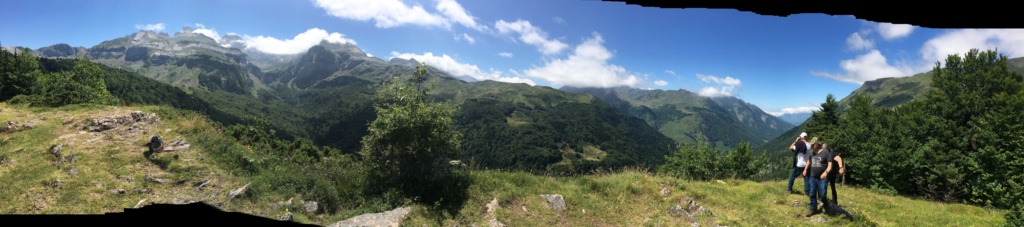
{"x": 325, "y": 94}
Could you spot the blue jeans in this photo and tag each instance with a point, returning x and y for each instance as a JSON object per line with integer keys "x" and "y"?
{"x": 797, "y": 171}
{"x": 819, "y": 187}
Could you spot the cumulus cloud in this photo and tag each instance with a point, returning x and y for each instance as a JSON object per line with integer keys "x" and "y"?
{"x": 455, "y": 68}
{"x": 866, "y": 67}
{"x": 856, "y": 42}
{"x": 894, "y": 31}
{"x": 1009, "y": 42}
{"x": 874, "y": 65}
{"x": 532, "y": 35}
{"x": 208, "y": 32}
{"x": 386, "y": 13}
{"x": 394, "y": 13}
{"x": 586, "y": 67}
{"x": 660, "y": 82}
{"x": 150, "y": 27}
{"x": 728, "y": 81}
{"x": 455, "y": 13}
{"x": 715, "y": 92}
{"x": 505, "y": 54}
{"x": 300, "y": 43}
{"x": 728, "y": 84}
{"x": 794, "y": 110}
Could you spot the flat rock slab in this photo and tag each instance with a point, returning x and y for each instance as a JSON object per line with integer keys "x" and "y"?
{"x": 387, "y": 218}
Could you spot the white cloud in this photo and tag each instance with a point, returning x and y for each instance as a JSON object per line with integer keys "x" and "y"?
{"x": 386, "y": 13}
{"x": 866, "y": 67}
{"x": 300, "y": 43}
{"x": 856, "y": 42}
{"x": 468, "y": 38}
{"x": 208, "y": 32}
{"x": 561, "y": 21}
{"x": 660, "y": 82}
{"x": 728, "y": 81}
{"x": 457, "y": 14}
{"x": 150, "y": 27}
{"x": 874, "y": 65}
{"x": 715, "y": 92}
{"x": 449, "y": 65}
{"x": 394, "y": 13}
{"x": 728, "y": 85}
{"x": 1009, "y": 42}
{"x": 670, "y": 72}
{"x": 505, "y": 54}
{"x": 586, "y": 67}
{"x": 794, "y": 110}
{"x": 531, "y": 35}
{"x": 894, "y": 31}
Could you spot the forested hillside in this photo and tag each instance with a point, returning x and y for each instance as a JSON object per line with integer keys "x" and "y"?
{"x": 687, "y": 117}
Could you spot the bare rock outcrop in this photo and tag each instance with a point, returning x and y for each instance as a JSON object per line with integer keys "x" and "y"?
{"x": 133, "y": 121}
{"x": 237, "y": 192}
{"x": 555, "y": 200}
{"x": 387, "y": 218}
{"x": 689, "y": 210}
{"x": 492, "y": 220}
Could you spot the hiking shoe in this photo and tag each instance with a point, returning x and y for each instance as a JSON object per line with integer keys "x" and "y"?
{"x": 809, "y": 213}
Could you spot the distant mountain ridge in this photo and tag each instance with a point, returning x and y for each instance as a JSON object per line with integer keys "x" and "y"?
{"x": 686, "y": 117}
{"x": 795, "y": 118}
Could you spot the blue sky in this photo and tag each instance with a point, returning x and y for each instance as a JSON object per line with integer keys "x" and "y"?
{"x": 781, "y": 64}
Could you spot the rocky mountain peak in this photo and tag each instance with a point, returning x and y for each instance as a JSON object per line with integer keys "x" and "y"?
{"x": 404, "y": 62}
{"x": 184, "y": 31}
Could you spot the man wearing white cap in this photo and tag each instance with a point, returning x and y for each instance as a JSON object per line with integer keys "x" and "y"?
{"x": 801, "y": 153}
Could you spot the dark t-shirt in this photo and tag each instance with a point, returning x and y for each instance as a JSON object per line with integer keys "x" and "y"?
{"x": 835, "y": 164}
{"x": 800, "y": 147}
{"x": 819, "y": 162}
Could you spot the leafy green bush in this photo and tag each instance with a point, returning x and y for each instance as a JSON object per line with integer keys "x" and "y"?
{"x": 22, "y": 100}
{"x": 83, "y": 84}
{"x": 700, "y": 161}
{"x": 411, "y": 144}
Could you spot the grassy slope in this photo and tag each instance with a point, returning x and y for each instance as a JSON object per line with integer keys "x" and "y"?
{"x": 107, "y": 162}
{"x": 631, "y": 198}
{"x": 628, "y": 198}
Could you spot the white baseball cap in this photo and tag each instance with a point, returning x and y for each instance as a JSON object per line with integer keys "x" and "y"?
{"x": 803, "y": 135}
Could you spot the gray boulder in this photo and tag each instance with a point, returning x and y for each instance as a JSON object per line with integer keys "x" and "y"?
{"x": 387, "y": 218}
{"x": 555, "y": 200}
{"x": 310, "y": 206}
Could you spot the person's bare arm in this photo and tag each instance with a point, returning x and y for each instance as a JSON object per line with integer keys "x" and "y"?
{"x": 828, "y": 168}
{"x": 842, "y": 166}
